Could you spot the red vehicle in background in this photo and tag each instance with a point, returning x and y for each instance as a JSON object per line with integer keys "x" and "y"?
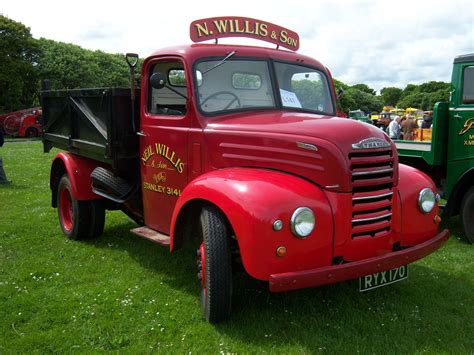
{"x": 23, "y": 123}
{"x": 238, "y": 149}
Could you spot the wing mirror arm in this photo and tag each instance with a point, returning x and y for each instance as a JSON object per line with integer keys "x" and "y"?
{"x": 340, "y": 92}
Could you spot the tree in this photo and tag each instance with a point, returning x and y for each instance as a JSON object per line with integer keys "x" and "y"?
{"x": 18, "y": 55}
{"x": 364, "y": 88}
{"x": 70, "y": 66}
{"x": 340, "y": 85}
{"x": 425, "y": 95}
{"x": 358, "y": 99}
{"x": 390, "y": 96}
{"x": 346, "y": 102}
{"x": 412, "y": 100}
{"x": 434, "y": 86}
{"x": 309, "y": 92}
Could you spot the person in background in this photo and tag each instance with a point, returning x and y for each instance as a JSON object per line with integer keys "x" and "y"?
{"x": 427, "y": 120}
{"x": 394, "y": 128}
{"x": 408, "y": 126}
{"x": 3, "y": 177}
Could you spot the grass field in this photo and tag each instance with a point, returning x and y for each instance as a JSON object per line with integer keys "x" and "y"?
{"x": 125, "y": 294}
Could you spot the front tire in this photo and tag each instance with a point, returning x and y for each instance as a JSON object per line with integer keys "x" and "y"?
{"x": 78, "y": 219}
{"x": 467, "y": 214}
{"x": 215, "y": 262}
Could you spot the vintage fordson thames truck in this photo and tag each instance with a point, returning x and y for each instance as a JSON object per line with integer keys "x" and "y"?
{"x": 239, "y": 147}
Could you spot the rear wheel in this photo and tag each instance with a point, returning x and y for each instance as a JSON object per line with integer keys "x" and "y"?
{"x": 467, "y": 214}
{"x": 215, "y": 264}
{"x": 78, "y": 219}
{"x": 31, "y": 132}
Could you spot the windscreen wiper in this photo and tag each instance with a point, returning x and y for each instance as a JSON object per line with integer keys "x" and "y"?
{"x": 221, "y": 62}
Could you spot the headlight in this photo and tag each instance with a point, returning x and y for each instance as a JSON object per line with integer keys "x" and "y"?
{"x": 302, "y": 222}
{"x": 426, "y": 200}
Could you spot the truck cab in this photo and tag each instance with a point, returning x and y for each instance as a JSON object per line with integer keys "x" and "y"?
{"x": 240, "y": 149}
{"x": 446, "y": 152}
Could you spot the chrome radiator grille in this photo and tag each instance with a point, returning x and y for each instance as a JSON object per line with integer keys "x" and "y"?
{"x": 372, "y": 192}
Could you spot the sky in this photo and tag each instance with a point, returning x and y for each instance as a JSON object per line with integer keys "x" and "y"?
{"x": 379, "y": 43}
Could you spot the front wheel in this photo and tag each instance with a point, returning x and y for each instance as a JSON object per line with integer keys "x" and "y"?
{"x": 467, "y": 214}
{"x": 215, "y": 263}
{"x": 78, "y": 219}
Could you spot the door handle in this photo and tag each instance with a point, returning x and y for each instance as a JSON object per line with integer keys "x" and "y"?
{"x": 457, "y": 116}
{"x": 141, "y": 134}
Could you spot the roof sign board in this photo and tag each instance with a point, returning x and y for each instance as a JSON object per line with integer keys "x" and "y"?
{"x": 221, "y": 27}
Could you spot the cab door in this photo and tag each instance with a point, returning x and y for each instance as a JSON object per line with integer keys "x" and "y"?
{"x": 461, "y": 126}
{"x": 164, "y": 131}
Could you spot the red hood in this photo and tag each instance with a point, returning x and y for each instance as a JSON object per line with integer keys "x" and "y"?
{"x": 333, "y": 129}
{"x": 313, "y": 146}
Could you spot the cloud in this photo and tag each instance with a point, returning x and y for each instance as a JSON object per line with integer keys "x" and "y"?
{"x": 379, "y": 43}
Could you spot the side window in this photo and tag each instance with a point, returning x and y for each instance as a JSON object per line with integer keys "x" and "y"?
{"x": 468, "y": 86}
{"x": 165, "y": 101}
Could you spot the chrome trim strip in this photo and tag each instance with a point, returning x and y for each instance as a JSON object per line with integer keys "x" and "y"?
{"x": 371, "y": 143}
{"x": 307, "y": 146}
{"x": 461, "y": 109}
{"x": 372, "y": 219}
{"x": 374, "y": 197}
{"x": 423, "y": 147}
{"x": 374, "y": 172}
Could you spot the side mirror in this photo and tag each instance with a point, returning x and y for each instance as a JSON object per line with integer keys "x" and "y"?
{"x": 158, "y": 81}
{"x": 340, "y": 92}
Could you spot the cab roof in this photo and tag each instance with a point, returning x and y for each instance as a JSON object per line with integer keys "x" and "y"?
{"x": 464, "y": 58}
{"x": 193, "y": 52}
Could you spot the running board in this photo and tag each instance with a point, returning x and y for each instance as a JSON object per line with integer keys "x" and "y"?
{"x": 152, "y": 235}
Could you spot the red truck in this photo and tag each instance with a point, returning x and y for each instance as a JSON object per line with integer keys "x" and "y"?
{"x": 238, "y": 149}
{"x": 24, "y": 123}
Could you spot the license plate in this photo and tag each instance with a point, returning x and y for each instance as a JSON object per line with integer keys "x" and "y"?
{"x": 369, "y": 282}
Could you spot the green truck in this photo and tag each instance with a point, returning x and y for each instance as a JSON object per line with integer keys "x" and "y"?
{"x": 359, "y": 115}
{"x": 445, "y": 151}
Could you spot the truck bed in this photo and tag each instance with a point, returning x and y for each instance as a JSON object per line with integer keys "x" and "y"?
{"x": 94, "y": 123}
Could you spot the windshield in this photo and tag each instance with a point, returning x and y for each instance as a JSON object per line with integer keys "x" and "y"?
{"x": 303, "y": 87}
{"x": 236, "y": 85}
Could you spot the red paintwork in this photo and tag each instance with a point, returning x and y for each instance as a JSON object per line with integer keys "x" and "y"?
{"x": 248, "y": 164}
{"x": 18, "y": 113}
{"x": 258, "y": 167}
{"x": 30, "y": 121}
{"x": 233, "y": 26}
{"x": 79, "y": 170}
{"x": 268, "y": 140}
{"x": 17, "y": 123}
{"x": 338, "y": 273}
{"x": 202, "y": 260}
{"x": 416, "y": 227}
{"x": 66, "y": 209}
{"x": 252, "y": 200}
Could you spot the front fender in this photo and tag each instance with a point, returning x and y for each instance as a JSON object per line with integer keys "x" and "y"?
{"x": 417, "y": 226}
{"x": 79, "y": 170}
{"x": 252, "y": 199}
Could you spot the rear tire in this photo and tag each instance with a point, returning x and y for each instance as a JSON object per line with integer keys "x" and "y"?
{"x": 467, "y": 214}
{"x": 78, "y": 219}
{"x": 31, "y": 132}
{"x": 215, "y": 263}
